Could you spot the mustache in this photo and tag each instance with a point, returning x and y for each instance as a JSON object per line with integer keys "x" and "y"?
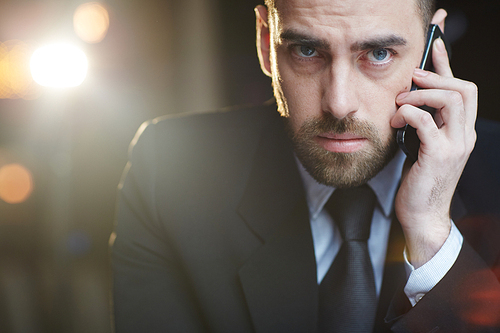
{"x": 327, "y": 123}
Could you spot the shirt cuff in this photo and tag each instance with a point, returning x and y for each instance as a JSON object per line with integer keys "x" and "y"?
{"x": 423, "y": 279}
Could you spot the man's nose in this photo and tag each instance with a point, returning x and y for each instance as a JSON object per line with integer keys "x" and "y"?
{"x": 340, "y": 91}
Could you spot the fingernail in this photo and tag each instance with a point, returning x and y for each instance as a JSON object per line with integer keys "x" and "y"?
{"x": 440, "y": 45}
{"x": 403, "y": 95}
{"x": 420, "y": 72}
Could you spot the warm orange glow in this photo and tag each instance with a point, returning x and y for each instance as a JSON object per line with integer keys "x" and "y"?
{"x": 15, "y": 76}
{"x": 91, "y": 22}
{"x": 483, "y": 299}
{"x": 16, "y": 183}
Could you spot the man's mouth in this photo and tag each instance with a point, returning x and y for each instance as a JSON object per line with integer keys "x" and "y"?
{"x": 341, "y": 143}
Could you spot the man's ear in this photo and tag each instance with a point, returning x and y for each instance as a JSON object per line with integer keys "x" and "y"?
{"x": 439, "y": 18}
{"x": 263, "y": 38}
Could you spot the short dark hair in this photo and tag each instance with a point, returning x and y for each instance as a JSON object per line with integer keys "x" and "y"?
{"x": 426, "y": 9}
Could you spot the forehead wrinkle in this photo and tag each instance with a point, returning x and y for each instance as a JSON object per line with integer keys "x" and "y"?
{"x": 338, "y": 21}
{"x": 339, "y": 13}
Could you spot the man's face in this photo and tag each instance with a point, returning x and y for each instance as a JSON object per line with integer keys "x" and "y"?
{"x": 337, "y": 67}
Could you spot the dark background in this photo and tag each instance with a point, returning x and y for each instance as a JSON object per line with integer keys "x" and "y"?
{"x": 159, "y": 57}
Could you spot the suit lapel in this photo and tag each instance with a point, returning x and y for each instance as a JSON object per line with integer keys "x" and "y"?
{"x": 279, "y": 280}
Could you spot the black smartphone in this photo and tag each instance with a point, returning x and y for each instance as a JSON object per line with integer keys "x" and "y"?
{"x": 407, "y": 136}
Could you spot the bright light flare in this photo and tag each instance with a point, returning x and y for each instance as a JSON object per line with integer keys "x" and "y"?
{"x": 91, "y": 22}
{"x": 16, "y": 183}
{"x": 59, "y": 66}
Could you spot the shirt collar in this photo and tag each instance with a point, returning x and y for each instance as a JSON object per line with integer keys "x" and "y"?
{"x": 384, "y": 184}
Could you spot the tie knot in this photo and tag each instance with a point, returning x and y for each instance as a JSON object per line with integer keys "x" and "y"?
{"x": 352, "y": 210}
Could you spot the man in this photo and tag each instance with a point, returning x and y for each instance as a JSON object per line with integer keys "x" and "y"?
{"x": 222, "y": 220}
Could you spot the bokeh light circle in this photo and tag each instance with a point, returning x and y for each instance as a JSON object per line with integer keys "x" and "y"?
{"x": 79, "y": 242}
{"x": 91, "y": 22}
{"x": 15, "y": 76}
{"x": 16, "y": 183}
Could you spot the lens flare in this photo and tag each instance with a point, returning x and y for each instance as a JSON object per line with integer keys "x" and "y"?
{"x": 59, "y": 66}
{"x": 16, "y": 183}
{"x": 91, "y": 22}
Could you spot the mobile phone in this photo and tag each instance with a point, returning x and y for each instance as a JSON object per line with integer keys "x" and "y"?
{"x": 407, "y": 136}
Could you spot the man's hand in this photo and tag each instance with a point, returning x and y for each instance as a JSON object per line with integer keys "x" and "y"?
{"x": 427, "y": 187}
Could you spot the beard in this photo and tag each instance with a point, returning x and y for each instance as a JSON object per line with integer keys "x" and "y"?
{"x": 336, "y": 169}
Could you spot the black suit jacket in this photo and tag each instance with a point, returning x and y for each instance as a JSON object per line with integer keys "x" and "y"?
{"x": 213, "y": 235}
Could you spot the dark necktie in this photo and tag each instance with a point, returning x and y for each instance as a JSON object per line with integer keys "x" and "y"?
{"x": 347, "y": 296}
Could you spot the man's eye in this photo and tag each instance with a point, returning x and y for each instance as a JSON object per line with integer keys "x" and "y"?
{"x": 379, "y": 55}
{"x": 305, "y": 51}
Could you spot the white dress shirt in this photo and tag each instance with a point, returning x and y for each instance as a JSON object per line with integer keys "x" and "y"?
{"x": 327, "y": 239}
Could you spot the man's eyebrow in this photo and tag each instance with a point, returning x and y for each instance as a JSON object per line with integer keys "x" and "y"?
{"x": 379, "y": 43}
{"x": 294, "y": 37}
{"x": 298, "y": 38}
